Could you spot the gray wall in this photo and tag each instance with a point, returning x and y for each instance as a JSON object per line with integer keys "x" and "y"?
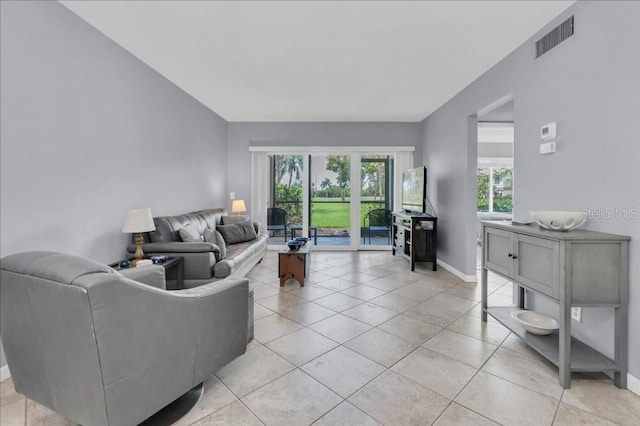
{"x": 89, "y": 131}
{"x": 589, "y": 85}
{"x": 241, "y": 135}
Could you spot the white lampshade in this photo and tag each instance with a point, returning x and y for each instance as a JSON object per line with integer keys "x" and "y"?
{"x": 238, "y": 206}
{"x": 138, "y": 220}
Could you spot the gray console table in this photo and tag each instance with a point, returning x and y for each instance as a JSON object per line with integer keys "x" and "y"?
{"x": 575, "y": 268}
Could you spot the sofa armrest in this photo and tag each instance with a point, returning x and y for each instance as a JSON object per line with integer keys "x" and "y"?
{"x": 176, "y": 247}
{"x": 152, "y": 275}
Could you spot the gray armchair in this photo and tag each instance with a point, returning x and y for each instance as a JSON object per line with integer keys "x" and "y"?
{"x": 102, "y": 349}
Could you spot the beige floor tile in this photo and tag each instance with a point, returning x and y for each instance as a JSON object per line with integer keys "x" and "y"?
{"x": 417, "y": 291}
{"x": 531, "y": 371}
{"x": 448, "y": 301}
{"x": 465, "y": 290}
{"x": 338, "y": 302}
{"x": 215, "y": 396}
{"x": 310, "y": 292}
{"x": 570, "y": 416}
{"x": 12, "y": 411}
{"x": 253, "y": 344}
{"x": 8, "y": 394}
{"x": 411, "y": 329}
{"x": 340, "y": 271}
{"x": 435, "y": 315}
{"x": 363, "y": 292}
{"x": 603, "y": 399}
{"x": 434, "y": 282}
{"x": 392, "y": 399}
{"x": 307, "y": 313}
{"x": 462, "y": 348}
{"x": 516, "y": 344}
{"x": 39, "y": 415}
{"x": 457, "y": 415}
{"x": 382, "y": 347}
{"x": 370, "y": 313}
{"x": 387, "y": 282}
{"x": 336, "y": 284}
{"x": 475, "y": 327}
{"x": 379, "y": 271}
{"x": 340, "y": 328}
{"x": 269, "y": 328}
{"x": 252, "y": 370}
{"x": 346, "y": 414}
{"x": 236, "y": 414}
{"x": 359, "y": 277}
{"x": 506, "y": 289}
{"x": 260, "y": 311}
{"x": 316, "y": 278}
{"x": 435, "y": 371}
{"x": 343, "y": 370}
{"x": 260, "y": 291}
{"x": 281, "y": 300}
{"x": 506, "y": 402}
{"x": 395, "y": 302}
{"x": 495, "y": 299}
{"x": 301, "y": 346}
{"x": 294, "y": 399}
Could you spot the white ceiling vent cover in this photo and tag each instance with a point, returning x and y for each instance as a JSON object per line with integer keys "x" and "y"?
{"x": 554, "y": 37}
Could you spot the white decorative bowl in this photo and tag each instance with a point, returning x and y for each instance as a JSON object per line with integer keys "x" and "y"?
{"x": 535, "y": 323}
{"x": 559, "y": 220}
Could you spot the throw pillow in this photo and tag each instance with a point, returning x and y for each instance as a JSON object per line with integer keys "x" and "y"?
{"x": 210, "y": 236}
{"x": 228, "y": 220}
{"x": 237, "y": 232}
{"x": 222, "y": 244}
{"x": 189, "y": 234}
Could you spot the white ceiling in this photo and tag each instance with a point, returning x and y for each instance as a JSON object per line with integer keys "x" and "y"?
{"x": 320, "y": 61}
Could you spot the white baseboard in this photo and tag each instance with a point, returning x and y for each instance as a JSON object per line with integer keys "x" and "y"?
{"x": 454, "y": 271}
{"x": 4, "y": 373}
{"x": 633, "y": 384}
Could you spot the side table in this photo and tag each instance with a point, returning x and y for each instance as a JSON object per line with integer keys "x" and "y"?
{"x": 173, "y": 272}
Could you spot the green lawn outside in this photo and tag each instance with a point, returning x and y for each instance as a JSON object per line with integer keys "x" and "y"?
{"x": 334, "y": 214}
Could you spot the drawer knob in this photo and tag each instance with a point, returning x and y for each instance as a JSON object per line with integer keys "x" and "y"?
{"x": 515, "y": 256}
{"x": 510, "y": 255}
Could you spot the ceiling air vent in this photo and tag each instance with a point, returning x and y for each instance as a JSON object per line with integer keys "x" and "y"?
{"x": 554, "y": 37}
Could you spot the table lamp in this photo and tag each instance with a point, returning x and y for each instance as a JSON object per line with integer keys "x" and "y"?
{"x": 238, "y": 207}
{"x": 136, "y": 222}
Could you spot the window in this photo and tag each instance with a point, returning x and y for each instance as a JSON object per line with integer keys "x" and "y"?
{"x": 495, "y": 189}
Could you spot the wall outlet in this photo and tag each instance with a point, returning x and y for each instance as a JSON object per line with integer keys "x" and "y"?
{"x": 232, "y": 195}
{"x": 576, "y": 313}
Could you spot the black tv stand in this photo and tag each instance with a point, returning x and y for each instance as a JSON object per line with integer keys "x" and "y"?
{"x": 415, "y": 236}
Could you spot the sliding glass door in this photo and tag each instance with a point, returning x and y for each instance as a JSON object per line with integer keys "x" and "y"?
{"x": 312, "y": 194}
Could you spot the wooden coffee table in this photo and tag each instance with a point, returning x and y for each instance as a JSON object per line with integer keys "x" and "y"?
{"x": 294, "y": 263}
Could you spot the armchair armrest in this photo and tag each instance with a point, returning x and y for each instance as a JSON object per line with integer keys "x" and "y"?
{"x": 152, "y": 275}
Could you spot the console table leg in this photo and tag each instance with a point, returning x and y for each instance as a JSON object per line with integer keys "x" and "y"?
{"x": 483, "y": 282}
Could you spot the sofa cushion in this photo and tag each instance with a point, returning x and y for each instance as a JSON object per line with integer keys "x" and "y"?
{"x": 189, "y": 234}
{"x": 237, "y": 232}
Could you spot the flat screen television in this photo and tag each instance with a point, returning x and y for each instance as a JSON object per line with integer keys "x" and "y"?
{"x": 414, "y": 190}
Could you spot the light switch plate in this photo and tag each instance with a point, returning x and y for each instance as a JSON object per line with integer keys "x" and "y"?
{"x": 547, "y": 148}
{"x": 232, "y": 195}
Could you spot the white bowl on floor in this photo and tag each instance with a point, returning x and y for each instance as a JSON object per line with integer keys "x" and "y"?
{"x": 558, "y": 220}
{"x": 535, "y": 323}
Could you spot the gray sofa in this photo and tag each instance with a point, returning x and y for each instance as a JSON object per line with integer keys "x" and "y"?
{"x": 202, "y": 262}
{"x": 102, "y": 349}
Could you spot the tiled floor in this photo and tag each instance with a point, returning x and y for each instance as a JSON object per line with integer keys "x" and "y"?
{"x": 368, "y": 342}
